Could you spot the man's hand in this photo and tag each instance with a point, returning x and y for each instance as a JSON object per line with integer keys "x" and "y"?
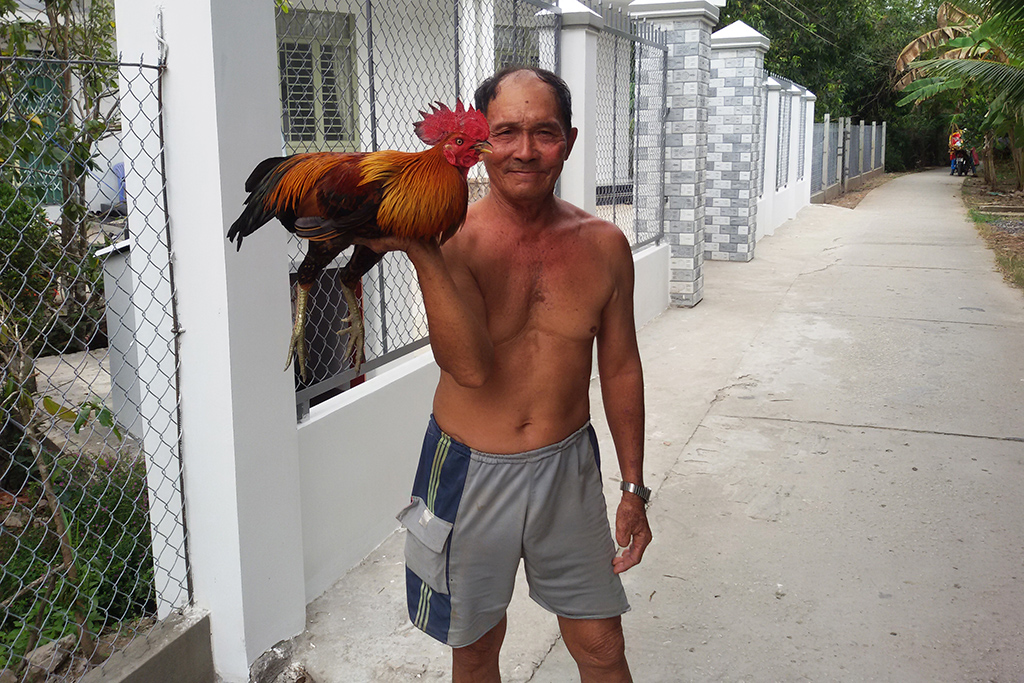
{"x": 632, "y": 532}
{"x": 386, "y": 243}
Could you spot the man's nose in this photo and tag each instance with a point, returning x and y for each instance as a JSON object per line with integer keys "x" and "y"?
{"x": 525, "y": 148}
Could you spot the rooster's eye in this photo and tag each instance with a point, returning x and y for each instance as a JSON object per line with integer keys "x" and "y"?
{"x": 459, "y": 141}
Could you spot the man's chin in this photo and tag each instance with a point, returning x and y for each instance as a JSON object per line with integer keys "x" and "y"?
{"x": 525, "y": 192}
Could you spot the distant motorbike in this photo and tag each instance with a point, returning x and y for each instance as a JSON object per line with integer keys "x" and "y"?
{"x": 963, "y": 163}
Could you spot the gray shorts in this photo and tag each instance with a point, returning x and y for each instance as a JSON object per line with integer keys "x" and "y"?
{"x": 473, "y": 516}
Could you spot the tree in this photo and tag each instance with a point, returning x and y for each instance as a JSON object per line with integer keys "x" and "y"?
{"x": 983, "y": 56}
{"x": 842, "y": 50}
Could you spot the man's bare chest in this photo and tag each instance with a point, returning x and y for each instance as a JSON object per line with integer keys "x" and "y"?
{"x": 554, "y": 291}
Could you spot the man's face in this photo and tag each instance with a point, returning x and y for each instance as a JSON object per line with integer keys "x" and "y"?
{"x": 530, "y": 145}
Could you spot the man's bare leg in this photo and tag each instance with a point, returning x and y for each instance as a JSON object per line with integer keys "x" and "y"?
{"x": 598, "y": 647}
{"x": 478, "y": 663}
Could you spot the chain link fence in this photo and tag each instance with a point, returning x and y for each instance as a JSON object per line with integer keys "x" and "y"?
{"x": 785, "y": 128}
{"x": 92, "y": 538}
{"x": 630, "y": 93}
{"x": 848, "y": 154}
{"x": 354, "y": 76}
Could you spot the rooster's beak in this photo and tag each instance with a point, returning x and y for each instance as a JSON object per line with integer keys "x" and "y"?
{"x": 480, "y": 147}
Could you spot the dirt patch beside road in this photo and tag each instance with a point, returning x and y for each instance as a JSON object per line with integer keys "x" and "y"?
{"x": 850, "y": 200}
{"x": 998, "y": 214}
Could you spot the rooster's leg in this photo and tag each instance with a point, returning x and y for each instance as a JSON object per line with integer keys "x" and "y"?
{"x": 297, "y": 346}
{"x": 356, "y": 331}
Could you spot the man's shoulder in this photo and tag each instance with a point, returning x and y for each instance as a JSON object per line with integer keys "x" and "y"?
{"x": 604, "y": 234}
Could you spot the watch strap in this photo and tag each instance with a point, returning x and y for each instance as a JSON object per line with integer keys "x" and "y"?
{"x": 642, "y": 491}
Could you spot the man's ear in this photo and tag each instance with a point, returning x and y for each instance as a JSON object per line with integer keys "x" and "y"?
{"x": 571, "y": 141}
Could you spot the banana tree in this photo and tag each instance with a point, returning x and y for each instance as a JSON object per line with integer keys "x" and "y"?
{"x": 985, "y": 55}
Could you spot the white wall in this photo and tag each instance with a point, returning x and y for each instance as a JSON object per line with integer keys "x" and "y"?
{"x": 358, "y": 454}
{"x": 788, "y": 106}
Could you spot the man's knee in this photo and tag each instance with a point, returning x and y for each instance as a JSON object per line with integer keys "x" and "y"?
{"x": 479, "y": 654}
{"x": 606, "y": 651}
{"x": 480, "y": 657}
{"x": 596, "y": 645}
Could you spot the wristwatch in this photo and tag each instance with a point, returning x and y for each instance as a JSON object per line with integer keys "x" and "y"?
{"x": 636, "y": 489}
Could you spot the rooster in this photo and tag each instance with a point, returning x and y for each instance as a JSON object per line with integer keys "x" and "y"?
{"x": 332, "y": 199}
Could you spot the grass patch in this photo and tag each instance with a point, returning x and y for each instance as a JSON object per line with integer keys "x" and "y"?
{"x": 1003, "y": 232}
{"x": 1008, "y": 249}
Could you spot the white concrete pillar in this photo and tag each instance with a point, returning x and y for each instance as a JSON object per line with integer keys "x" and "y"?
{"x": 795, "y": 94}
{"x": 766, "y": 205}
{"x": 844, "y": 156}
{"x": 239, "y": 440}
{"x": 860, "y": 148}
{"x": 874, "y": 143}
{"x": 805, "y": 190}
{"x": 580, "y": 29}
{"x": 688, "y": 24}
{"x": 883, "y": 144}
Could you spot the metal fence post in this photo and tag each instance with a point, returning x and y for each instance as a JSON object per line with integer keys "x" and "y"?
{"x": 860, "y": 149}
{"x": 844, "y": 151}
{"x": 824, "y": 153}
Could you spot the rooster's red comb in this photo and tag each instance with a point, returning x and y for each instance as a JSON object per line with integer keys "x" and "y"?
{"x": 441, "y": 121}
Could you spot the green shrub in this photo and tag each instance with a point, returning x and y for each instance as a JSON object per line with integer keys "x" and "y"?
{"x": 28, "y": 258}
{"x": 106, "y": 508}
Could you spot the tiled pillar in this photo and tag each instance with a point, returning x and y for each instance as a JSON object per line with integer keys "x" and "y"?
{"x": 688, "y": 24}
{"x": 734, "y": 142}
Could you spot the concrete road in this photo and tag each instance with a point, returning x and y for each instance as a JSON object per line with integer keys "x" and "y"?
{"x": 836, "y": 443}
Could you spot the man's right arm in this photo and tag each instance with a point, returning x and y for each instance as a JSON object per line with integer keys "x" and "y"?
{"x": 456, "y": 315}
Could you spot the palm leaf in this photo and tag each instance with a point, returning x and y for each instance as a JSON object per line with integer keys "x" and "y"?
{"x": 1012, "y": 10}
{"x": 1001, "y": 80}
{"x": 924, "y": 88}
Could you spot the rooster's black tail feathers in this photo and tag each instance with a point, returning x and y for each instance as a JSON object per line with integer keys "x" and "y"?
{"x": 259, "y": 183}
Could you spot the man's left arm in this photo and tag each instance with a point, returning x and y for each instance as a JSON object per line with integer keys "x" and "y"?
{"x": 622, "y": 391}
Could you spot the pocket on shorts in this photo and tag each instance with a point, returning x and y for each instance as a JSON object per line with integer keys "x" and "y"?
{"x": 425, "y": 544}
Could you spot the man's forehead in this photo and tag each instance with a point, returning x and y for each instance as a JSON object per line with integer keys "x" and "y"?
{"x": 521, "y": 94}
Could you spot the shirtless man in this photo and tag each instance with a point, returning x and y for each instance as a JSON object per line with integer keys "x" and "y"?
{"x": 515, "y": 302}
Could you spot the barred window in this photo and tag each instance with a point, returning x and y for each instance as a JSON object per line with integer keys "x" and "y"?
{"x": 315, "y": 57}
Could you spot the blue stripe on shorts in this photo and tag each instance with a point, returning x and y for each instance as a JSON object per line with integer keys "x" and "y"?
{"x": 440, "y": 480}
